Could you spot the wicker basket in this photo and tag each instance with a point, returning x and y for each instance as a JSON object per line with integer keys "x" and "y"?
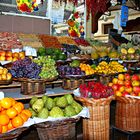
{"x": 32, "y": 87}
{"x": 97, "y": 127}
{"x": 12, "y": 134}
{"x": 127, "y": 114}
{"x": 70, "y": 84}
{"x": 57, "y": 130}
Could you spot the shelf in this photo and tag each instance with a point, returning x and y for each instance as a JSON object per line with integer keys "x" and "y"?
{"x": 15, "y": 93}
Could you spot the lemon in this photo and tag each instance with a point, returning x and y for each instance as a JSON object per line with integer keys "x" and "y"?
{"x": 131, "y": 50}
{"x": 124, "y": 51}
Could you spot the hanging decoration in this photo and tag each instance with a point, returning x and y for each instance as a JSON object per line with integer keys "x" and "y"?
{"x": 27, "y": 5}
{"x": 73, "y": 23}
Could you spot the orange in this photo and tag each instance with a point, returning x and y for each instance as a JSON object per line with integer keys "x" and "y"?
{"x": 10, "y": 126}
{"x": 23, "y": 116}
{"x": 17, "y": 121}
{"x": 27, "y": 112}
{"x": 0, "y": 128}
{"x": 3, "y": 112}
{"x": 21, "y": 104}
{"x": 4, "y": 128}
{"x": 4, "y": 119}
{"x": 6, "y": 103}
{"x": 13, "y": 101}
{"x": 0, "y": 107}
{"x": 11, "y": 112}
{"x": 18, "y": 108}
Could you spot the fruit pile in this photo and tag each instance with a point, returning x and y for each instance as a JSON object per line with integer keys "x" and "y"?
{"x": 87, "y": 69}
{"x": 4, "y": 74}
{"x": 82, "y": 42}
{"x": 64, "y": 106}
{"x": 9, "y": 56}
{"x": 12, "y": 114}
{"x": 129, "y": 52}
{"x": 126, "y": 85}
{"x": 111, "y": 68}
{"x": 48, "y": 69}
{"x": 25, "y": 68}
{"x": 95, "y": 90}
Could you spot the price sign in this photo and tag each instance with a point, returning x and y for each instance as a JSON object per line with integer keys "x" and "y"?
{"x": 124, "y": 15}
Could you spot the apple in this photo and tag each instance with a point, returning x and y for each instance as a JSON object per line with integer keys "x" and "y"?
{"x": 127, "y": 83}
{"x": 125, "y": 93}
{"x": 138, "y": 94}
{"x": 8, "y": 53}
{"x": 15, "y": 54}
{"x": 3, "y": 77}
{"x": 1, "y": 71}
{"x": 15, "y": 58}
{"x": 0, "y": 77}
{"x": 135, "y": 77}
{"x": 121, "y": 77}
{"x": 128, "y": 89}
{"x": 136, "y": 89}
{"x": 118, "y": 93}
{"x": 110, "y": 84}
{"x": 120, "y": 82}
{"x": 2, "y": 58}
{"x": 121, "y": 88}
{"x": 9, "y": 58}
{"x": 115, "y": 81}
{"x": 2, "y": 53}
{"x": 115, "y": 87}
{"x": 5, "y": 71}
{"x": 133, "y": 94}
{"x": 22, "y": 54}
{"x": 135, "y": 83}
{"x": 127, "y": 76}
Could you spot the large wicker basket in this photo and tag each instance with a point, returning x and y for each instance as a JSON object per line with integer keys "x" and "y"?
{"x": 97, "y": 127}
{"x": 57, "y": 130}
{"x": 32, "y": 86}
{"x": 127, "y": 114}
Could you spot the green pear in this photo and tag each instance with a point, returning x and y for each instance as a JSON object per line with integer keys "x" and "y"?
{"x": 38, "y": 105}
{"x": 44, "y": 98}
{"x": 34, "y": 114}
{"x": 34, "y": 98}
{"x": 43, "y": 113}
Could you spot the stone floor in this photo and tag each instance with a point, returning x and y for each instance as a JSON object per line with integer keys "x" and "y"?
{"x": 31, "y": 134}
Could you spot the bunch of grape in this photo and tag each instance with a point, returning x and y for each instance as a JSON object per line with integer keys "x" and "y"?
{"x": 48, "y": 67}
{"x": 68, "y": 70}
{"x": 25, "y": 68}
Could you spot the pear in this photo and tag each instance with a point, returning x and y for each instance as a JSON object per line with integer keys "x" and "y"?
{"x": 34, "y": 114}
{"x": 34, "y": 98}
{"x": 43, "y": 113}
{"x": 44, "y": 98}
{"x": 38, "y": 105}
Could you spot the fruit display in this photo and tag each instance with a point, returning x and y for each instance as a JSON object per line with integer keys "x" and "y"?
{"x": 63, "y": 106}
{"x": 82, "y": 42}
{"x": 12, "y": 114}
{"x": 11, "y": 56}
{"x": 109, "y": 68}
{"x": 129, "y": 52}
{"x": 102, "y": 50}
{"x": 126, "y": 84}
{"x": 5, "y": 75}
{"x": 95, "y": 90}
{"x": 25, "y": 68}
{"x": 48, "y": 68}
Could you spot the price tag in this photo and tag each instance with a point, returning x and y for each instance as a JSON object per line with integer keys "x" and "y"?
{"x": 124, "y": 16}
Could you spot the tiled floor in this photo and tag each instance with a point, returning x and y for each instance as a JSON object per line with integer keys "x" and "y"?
{"x": 31, "y": 134}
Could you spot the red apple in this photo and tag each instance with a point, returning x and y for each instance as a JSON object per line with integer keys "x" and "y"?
{"x": 9, "y": 58}
{"x": 133, "y": 94}
{"x": 118, "y": 93}
{"x": 127, "y": 83}
{"x": 8, "y": 53}
{"x": 135, "y": 77}
{"x": 135, "y": 83}
{"x": 125, "y": 93}
{"x": 115, "y": 87}
{"x": 121, "y": 88}
{"x": 2, "y": 53}
{"x": 128, "y": 89}
{"x": 136, "y": 89}
{"x": 127, "y": 76}
{"x": 120, "y": 82}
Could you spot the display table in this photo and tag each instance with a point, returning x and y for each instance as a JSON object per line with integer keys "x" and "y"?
{"x": 15, "y": 93}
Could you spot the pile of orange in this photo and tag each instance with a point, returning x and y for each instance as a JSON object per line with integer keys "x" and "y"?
{"x": 12, "y": 114}
{"x": 87, "y": 69}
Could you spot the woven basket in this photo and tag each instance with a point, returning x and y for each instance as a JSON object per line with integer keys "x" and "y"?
{"x": 12, "y": 134}
{"x": 32, "y": 86}
{"x": 127, "y": 114}
{"x": 70, "y": 84}
{"x": 97, "y": 127}
{"x": 57, "y": 130}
